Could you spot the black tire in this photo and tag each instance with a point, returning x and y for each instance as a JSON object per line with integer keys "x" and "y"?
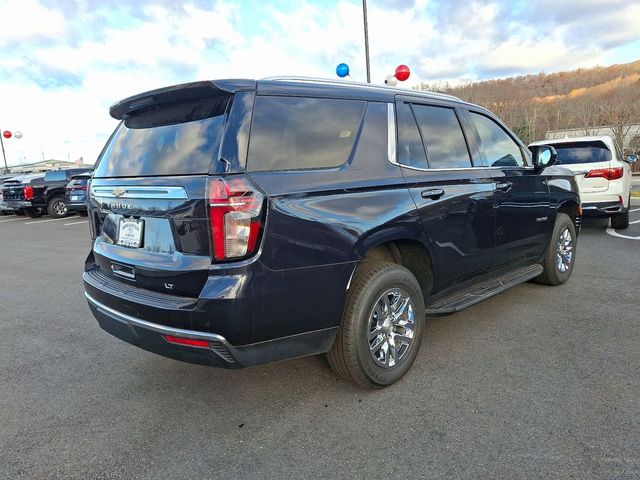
{"x": 552, "y": 274}
{"x": 3, "y": 213}
{"x": 34, "y": 212}
{"x": 57, "y": 208}
{"x": 350, "y": 356}
{"x": 19, "y": 211}
{"x": 83, "y": 213}
{"x": 621, "y": 220}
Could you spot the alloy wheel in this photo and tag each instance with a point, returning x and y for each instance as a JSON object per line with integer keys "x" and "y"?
{"x": 60, "y": 208}
{"x": 564, "y": 252}
{"x": 391, "y": 328}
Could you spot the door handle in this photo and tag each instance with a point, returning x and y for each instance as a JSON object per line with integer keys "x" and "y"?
{"x": 433, "y": 194}
{"x": 504, "y": 186}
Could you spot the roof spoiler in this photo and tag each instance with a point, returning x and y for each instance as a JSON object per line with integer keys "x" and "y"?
{"x": 177, "y": 94}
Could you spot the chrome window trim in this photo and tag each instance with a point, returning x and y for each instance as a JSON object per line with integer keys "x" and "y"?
{"x": 526, "y": 167}
{"x": 391, "y": 134}
{"x": 140, "y": 192}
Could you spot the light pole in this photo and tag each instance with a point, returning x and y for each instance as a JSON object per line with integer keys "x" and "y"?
{"x": 7, "y": 134}
{"x": 366, "y": 39}
{"x": 4, "y": 155}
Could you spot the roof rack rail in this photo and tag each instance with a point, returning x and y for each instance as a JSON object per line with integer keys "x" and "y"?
{"x": 348, "y": 83}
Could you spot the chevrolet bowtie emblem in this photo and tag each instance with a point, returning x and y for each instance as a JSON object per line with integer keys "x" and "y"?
{"x": 118, "y": 192}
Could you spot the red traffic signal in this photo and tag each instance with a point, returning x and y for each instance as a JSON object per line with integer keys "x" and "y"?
{"x": 402, "y": 72}
{"x": 7, "y": 134}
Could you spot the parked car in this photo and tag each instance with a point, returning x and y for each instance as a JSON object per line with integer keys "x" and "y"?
{"x": 239, "y": 222}
{"x": 5, "y": 209}
{"x": 76, "y": 193}
{"x": 15, "y": 190}
{"x": 602, "y": 173}
{"x": 47, "y": 195}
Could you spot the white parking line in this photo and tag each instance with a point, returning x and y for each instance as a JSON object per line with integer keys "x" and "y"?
{"x": 76, "y": 223}
{"x": 613, "y": 233}
{"x": 45, "y": 221}
{"x": 635, "y": 210}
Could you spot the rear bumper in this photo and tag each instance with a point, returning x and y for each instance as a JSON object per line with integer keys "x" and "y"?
{"x": 602, "y": 209}
{"x": 16, "y": 204}
{"x": 77, "y": 207}
{"x": 220, "y": 353}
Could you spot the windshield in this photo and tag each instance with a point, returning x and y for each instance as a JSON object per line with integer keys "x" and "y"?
{"x": 172, "y": 141}
{"x": 582, "y": 152}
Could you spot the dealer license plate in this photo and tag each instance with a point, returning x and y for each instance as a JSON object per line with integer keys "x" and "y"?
{"x": 130, "y": 232}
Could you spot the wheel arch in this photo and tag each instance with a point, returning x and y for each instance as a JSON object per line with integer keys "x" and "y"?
{"x": 571, "y": 208}
{"x": 409, "y": 251}
{"x": 52, "y": 193}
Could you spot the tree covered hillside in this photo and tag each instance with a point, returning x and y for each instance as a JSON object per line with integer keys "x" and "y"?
{"x": 580, "y": 99}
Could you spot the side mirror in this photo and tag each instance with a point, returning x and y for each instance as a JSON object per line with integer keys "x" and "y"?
{"x": 632, "y": 158}
{"x": 543, "y": 156}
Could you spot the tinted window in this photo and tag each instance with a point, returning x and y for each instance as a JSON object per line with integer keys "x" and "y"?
{"x": 410, "y": 148}
{"x": 171, "y": 141}
{"x": 293, "y": 133}
{"x": 442, "y": 136}
{"x": 583, "y": 152}
{"x": 55, "y": 176}
{"x": 499, "y": 149}
{"x": 78, "y": 181}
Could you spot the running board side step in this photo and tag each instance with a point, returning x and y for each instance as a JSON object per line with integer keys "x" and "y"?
{"x": 462, "y": 299}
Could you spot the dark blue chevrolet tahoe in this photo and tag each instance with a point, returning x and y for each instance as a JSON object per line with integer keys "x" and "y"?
{"x": 239, "y": 222}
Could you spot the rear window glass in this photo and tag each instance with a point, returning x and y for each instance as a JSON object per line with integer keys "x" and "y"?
{"x": 296, "y": 133}
{"x": 582, "y": 152}
{"x": 442, "y": 137}
{"x": 410, "y": 148}
{"x": 55, "y": 176}
{"x": 79, "y": 181}
{"x": 172, "y": 141}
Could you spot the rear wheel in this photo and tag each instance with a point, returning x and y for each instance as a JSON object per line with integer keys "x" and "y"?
{"x": 561, "y": 253}
{"x": 57, "y": 208}
{"x": 621, "y": 220}
{"x": 382, "y": 327}
{"x": 34, "y": 212}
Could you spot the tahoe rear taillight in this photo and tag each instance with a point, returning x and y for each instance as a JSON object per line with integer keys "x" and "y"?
{"x": 28, "y": 193}
{"x": 608, "y": 173}
{"x": 235, "y": 215}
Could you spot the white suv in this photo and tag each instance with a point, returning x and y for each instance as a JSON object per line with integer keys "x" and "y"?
{"x": 603, "y": 177}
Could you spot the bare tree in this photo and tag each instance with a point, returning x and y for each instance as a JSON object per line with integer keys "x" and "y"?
{"x": 621, "y": 110}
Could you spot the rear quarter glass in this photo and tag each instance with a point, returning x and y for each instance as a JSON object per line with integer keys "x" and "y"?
{"x": 180, "y": 140}
{"x": 292, "y": 133}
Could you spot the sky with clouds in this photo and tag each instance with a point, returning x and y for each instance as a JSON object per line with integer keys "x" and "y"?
{"x": 64, "y": 62}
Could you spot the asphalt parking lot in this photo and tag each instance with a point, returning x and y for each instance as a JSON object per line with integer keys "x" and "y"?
{"x": 538, "y": 382}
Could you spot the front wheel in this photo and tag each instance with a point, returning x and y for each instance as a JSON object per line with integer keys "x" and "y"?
{"x": 561, "y": 253}
{"x": 57, "y": 208}
{"x": 382, "y": 327}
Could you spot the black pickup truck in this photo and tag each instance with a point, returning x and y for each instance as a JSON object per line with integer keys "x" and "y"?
{"x": 41, "y": 197}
